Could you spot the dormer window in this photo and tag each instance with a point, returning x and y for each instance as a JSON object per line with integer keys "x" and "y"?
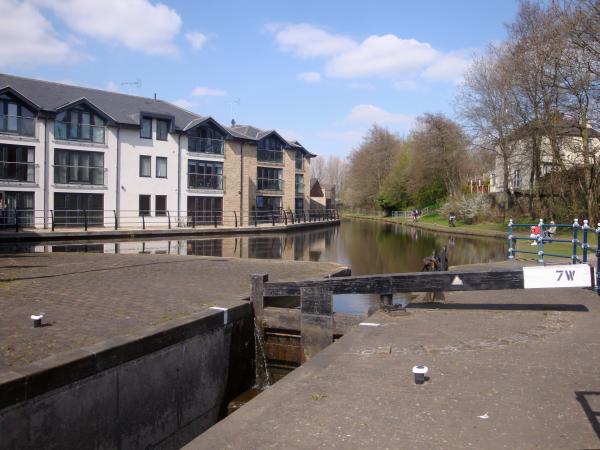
{"x": 299, "y": 160}
{"x": 146, "y": 128}
{"x": 205, "y": 139}
{"x": 79, "y": 124}
{"x": 15, "y": 118}
{"x": 270, "y": 149}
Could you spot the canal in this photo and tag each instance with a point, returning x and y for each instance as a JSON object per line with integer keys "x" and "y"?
{"x": 367, "y": 247}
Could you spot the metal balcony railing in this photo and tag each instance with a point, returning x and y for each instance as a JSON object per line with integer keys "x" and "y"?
{"x": 72, "y": 131}
{"x": 18, "y": 172}
{"x": 205, "y": 181}
{"x": 67, "y": 174}
{"x": 205, "y": 145}
{"x": 266, "y": 155}
{"x": 22, "y": 126}
{"x": 269, "y": 184}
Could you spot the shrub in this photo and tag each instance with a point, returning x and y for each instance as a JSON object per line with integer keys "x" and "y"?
{"x": 470, "y": 209}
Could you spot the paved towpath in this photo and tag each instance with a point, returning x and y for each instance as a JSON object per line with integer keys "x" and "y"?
{"x": 508, "y": 370}
{"x": 88, "y": 298}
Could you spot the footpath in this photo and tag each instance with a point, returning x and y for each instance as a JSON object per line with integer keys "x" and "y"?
{"x": 508, "y": 369}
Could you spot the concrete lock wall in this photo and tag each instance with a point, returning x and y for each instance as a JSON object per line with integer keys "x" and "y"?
{"x": 159, "y": 390}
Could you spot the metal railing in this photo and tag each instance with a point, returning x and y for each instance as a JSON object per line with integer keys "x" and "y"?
{"x": 205, "y": 181}
{"x": 68, "y": 174}
{"x": 268, "y": 155}
{"x": 408, "y": 214}
{"x": 61, "y": 219}
{"x": 545, "y": 234}
{"x": 18, "y": 172}
{"x": 72, "y": 131}
{"x": 205, "y": 145}
{"x": 22, "y": 126}
{"x": 269, "y": 184}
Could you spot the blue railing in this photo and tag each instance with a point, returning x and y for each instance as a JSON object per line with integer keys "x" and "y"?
{"x": 544, "y": 238}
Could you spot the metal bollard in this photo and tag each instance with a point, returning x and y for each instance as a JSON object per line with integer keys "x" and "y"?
{"x": 584, "y": 244}
{"x": 575, "y": 241}
{"x": 540, "y": 241}
{"x": 511, "y": 250}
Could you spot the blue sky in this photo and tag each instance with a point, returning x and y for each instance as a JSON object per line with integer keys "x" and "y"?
{"x": 319, "y": 71}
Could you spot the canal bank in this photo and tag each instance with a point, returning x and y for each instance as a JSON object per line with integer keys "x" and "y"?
{"x": 459, "y": 231}
{"x": 105, "y": 233}
{"x": 134, "y": 351}
{"x": 507, "y": 369}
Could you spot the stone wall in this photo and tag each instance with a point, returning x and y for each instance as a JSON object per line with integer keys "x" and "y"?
{"x": 157, "y": 389}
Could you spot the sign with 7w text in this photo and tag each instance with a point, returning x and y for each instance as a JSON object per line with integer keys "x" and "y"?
{"x": 575, "y": 275}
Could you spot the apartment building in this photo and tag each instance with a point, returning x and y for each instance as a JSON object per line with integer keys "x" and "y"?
{"x": 71, "y": 154}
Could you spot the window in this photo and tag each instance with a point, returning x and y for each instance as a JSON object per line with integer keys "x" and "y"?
{"x": 205, "y": 140}
{"x": 13, "y": 204}
{"x": 269, "y": 179}
{"x": 79, "y": 124}
{"x": 516, "y": 178}
{"x": 270, "y": 149}
{"x": 145, "y": 166}
{"x": 205, "y": 174}
{"x": 17, "y": 163}
{"x": 160, "y": 205}
{"x": 161, "y": 167}
{"x": 74, "y": 209}
{"x": 299, "y": 184}
{"x": 299, "y": 160}
{"x": 146, "y": 128}
{"x": 144, "y": 205}
{"x": 162, "y": 129}
{"x": 268, "y": 203}
{"x": 15, "y": 118}
{"x": 77, "y": 167}
{"x": 204, "y": 210}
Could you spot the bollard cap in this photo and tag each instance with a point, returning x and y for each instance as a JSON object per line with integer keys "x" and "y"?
{"x": 420, "y": 369}
{"x": 37, "y": 316}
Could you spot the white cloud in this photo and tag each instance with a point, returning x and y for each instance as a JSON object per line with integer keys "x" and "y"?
{"x": 136, "y": 24}
{"x": 381, "y": 56}
{"x": 27, "y": 38}
{"x": 449, "y": 67}
{"x": 370, "y": 114}
{"x": 196, "y": 39}
{"x": 208, "y": 92}
{"x": 183, "y": 103}
{"x": 405, "y": 85}
{"x": 377, "y": 56}
{"x": 310, "y": 77}
{"x": 307, "y": 40}
{"x": 112, "y": 86}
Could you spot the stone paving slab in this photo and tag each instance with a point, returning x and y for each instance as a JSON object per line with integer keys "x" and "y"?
{"x": 508, "y": 370}
{"x": 88, "y": 298}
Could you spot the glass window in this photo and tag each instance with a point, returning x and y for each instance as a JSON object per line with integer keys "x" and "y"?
{"x": 77, "y": 167}
{"x": 160, "y": 206}
{"x": 69, "y": 209}
{"x": 161, "y": 167}
{"x": 12, "y": 117}
{"x": 299, "y": 160}
{"x": 300, "y": 184}
{"x": 162, "y": 129}
{"x": 146, "y": 130}
{"x": 17, "y": 163}
{"x": 205, "y": 174}
{"x": 269, "y": 179}
{"x": 145, "y": 166}
{"x": 144, "y": 205}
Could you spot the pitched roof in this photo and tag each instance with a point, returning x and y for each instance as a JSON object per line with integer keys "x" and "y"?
{"x": 255, "y": 134}
{"x": 122, "y": 108}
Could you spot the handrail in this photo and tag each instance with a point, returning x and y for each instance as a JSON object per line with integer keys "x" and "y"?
{"x": 20, "y": 125}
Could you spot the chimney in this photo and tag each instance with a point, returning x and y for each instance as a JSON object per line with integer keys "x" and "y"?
{"x": 233, "y": 122}
{"x": 155, "y": 96}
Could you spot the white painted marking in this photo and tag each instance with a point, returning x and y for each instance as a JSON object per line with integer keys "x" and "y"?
{"x": 369, "y": 324}
{"x": 575, "y": 275}
{"x": 456, "y": 281}
{"x": 218, "y": 308}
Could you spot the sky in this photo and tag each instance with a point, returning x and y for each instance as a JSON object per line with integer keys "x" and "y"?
{"x": 321, "y": 72}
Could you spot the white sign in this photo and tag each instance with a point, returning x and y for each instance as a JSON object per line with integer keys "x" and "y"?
{"x": 575, "y": 275}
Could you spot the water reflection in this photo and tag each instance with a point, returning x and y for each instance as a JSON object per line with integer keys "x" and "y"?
{"x": 367, "y": 247}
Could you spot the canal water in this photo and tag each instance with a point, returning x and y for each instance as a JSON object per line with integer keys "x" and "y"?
{"x": 367, "y": 247}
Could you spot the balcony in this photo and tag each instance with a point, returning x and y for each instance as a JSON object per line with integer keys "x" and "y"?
{"x": 205, "y": 145}
{"x": 272, "y": 156}
{"x": 270, "y": 184}
{"x": 205, "y": 181}
{"x": 17, "y": 125}
{"x": 71, "y": 131}
{"x": 88, "y": 175}
{"x": 18, "y": 172}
